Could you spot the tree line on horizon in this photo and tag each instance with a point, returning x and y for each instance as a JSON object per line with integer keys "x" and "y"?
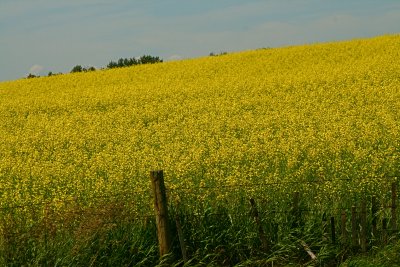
{"x": 122, "y": 62}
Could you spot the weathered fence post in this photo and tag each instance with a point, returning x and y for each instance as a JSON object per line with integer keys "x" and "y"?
{"x": 354, "y": 237}
{"x": 394, "y": 206}
{"x": 374, "y": 210}
{"x": 343, "y": 227}
{"x": 161, "y": 211}
{"x": 363, "y": 221}
{"x": 324, "y": 227}
{"x": 254, "y": 212}
{"x": 181, "y": 239}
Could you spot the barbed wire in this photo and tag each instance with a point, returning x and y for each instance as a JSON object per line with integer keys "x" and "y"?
{"x": 269, "y": 184}
{"x": 264, "y": 214}
{"x": 230, "y": 214}
{"x": 288, "y": 211}
{"x": 75, "y": 199}
{"x": 125, "y": 193}
{"x": 320, "y": 181}
{"x": 81, "y": 225}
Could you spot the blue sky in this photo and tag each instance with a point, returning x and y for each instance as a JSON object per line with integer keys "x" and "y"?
{"x": 38, "y": 36}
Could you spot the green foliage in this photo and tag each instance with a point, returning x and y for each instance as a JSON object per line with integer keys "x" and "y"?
{"x": 212, "y": 54}
{"x": 53, "y": 74}
{"x": 77, "y": 68}
{"x": 127, "y": 62}
{"x": 30, "y": 76}
{"x": 80, "y": 237}
{"x": 386, "y": 257}
{"x": 147, "y": 59}
{"x": 122, "y": 62}
{"x": 89, "y": 69}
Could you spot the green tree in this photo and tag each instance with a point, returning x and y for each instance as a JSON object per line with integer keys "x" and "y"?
{"x": 121, "y": 63}
{"x": 112, "y": 65}
{"x": 127, "y": 62}
{"x": 30, "y": 75}
{"x": 147, "y": 59}
{"x": 77, "y": 68}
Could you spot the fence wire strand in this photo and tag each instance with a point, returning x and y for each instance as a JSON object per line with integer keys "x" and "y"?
{"x": 141, "y": 192}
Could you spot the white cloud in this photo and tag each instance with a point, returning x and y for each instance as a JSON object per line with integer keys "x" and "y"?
{"x": 36, "y": 69}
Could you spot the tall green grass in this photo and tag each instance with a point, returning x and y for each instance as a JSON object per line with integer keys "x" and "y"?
{"x": 217, "y": 232}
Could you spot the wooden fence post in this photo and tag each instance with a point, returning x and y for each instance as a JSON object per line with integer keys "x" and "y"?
{"x": 254, "y": 212}
{"x": 181, "y": 239}
{"x": 343, "y": 228}
{"x": 324, "y": 227}
{"x": 374, "y": 210}
{"x": 161, "y": 211}
{"x": 354, "y": 237}
{"x": 394, "y": 206}
{"x": 363, "y": 217}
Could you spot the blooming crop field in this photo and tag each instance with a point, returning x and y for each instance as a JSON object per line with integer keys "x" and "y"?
{"x": 295, "y": 114}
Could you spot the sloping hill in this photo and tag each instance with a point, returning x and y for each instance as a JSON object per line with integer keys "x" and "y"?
{"x": 290, "y": 113}
{"x": 286, "y": 117}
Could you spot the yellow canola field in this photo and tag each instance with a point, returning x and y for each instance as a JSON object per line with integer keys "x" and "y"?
{"x": 303, "y": 113}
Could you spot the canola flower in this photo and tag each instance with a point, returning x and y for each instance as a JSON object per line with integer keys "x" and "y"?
{"x": 294, "y": 114}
